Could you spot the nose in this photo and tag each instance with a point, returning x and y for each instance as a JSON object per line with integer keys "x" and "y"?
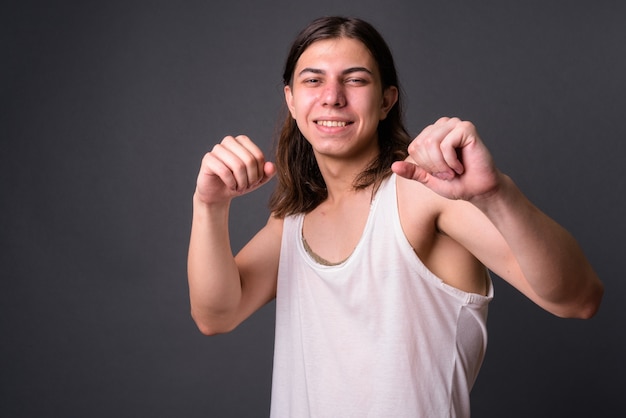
{"x": 333, "y": 95}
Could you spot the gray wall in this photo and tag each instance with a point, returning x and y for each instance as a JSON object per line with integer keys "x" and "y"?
{"x": 107, "y": 108}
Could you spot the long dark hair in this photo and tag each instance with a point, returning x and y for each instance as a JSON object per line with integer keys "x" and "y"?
{"x": 301, "y": 186}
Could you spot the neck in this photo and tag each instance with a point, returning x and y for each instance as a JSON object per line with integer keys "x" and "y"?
{"x": 340, "y": 174}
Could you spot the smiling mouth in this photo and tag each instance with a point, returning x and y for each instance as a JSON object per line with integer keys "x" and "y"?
{"x": 332, "y": 123}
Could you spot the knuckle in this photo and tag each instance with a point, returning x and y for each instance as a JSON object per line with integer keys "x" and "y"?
{"x": 431, "y": 141}
{"x": 258, "y": 157}
{"x": 465, "y": 124}
{"x": 208, "y": 159}
{"x": 222, "y": 171}
{"x": 238, "y": 166}
{"x": 247, "y": 160}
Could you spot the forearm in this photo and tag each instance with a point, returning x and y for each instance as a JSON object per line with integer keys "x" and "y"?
{"x": 549, "y": 258}
{"x": 214, "y": 283}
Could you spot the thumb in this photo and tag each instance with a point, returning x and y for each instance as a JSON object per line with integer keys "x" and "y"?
{"x": 410, "y": 171}
{"x": 269, "y": 171}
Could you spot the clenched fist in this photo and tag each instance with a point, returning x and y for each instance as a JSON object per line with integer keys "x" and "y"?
{"x": 234, "y": 167}
{"x": 450, "y": 158}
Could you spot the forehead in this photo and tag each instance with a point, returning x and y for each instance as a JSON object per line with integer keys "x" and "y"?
{"x": 338, "y": 52}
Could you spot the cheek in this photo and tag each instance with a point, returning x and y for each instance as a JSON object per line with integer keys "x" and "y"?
{"x": 302, "y": 106}
{"x": 368, "y": 104}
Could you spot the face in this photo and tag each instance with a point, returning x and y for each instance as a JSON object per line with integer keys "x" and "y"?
{"x": 337, "y": 99}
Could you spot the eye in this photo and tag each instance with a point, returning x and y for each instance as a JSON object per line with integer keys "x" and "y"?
{"x": 356, "y": 81}
{"x": 311, "y": 81}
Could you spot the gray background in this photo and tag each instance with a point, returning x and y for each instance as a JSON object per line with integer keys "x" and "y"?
{"x": 107, "y": 108}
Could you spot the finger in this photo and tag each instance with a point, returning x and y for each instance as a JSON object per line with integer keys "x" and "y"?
{"x": 463, "y": 134}
{"x": 269, "y": 170}
{"x": 213, "y": 166}
{"x": 442, "y": 121}
{"x": 243, "y": 158}
{"x": 410, "y": 171}
{"x": 232, "y": 165}
{"x": 227, "y": 166}
{"x": 451, "y": 149}
{"x": 253, "y": 157}
{"x": 428, "y": 153}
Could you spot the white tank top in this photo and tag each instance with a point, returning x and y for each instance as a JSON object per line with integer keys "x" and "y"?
{"x": 378, "y": 335}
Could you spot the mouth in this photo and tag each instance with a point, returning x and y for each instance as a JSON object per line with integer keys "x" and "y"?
{"x": 333, "y": 123}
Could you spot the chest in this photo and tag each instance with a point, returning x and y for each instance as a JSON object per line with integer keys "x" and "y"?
{"x": 332, "y": 232}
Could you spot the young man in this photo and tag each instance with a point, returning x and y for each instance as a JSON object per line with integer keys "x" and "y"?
{"x": 378, "y": 247}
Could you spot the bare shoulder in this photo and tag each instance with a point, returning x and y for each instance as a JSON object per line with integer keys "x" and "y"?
{"x": 419, "y": 210}
{"x": 440, "y": 244}
{"x": 274, "y": 226}
{"x": 264, "y": 247}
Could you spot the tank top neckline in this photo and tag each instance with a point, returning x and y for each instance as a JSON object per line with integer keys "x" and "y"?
{"x": 320, "y": 262}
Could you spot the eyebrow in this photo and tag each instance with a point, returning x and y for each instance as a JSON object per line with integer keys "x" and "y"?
{"x": 344, "y": 72}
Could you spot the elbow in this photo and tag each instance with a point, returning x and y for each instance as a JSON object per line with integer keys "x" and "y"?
{"x": 592, "y": 304}
{"x": 210, "y": 330}
{"x": 585, "y": 307}
{"x": 212, "y": 326}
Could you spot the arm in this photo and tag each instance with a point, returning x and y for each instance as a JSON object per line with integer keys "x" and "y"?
{"x": 499, "y": 225}
{"x": 224, "y": 290}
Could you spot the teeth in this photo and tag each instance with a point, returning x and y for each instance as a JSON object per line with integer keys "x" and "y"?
{"x": 331, "y": 123}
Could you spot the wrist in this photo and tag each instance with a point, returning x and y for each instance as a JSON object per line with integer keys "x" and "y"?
{"x": 204, "y": 206}
{"x": 503, "y": 192}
